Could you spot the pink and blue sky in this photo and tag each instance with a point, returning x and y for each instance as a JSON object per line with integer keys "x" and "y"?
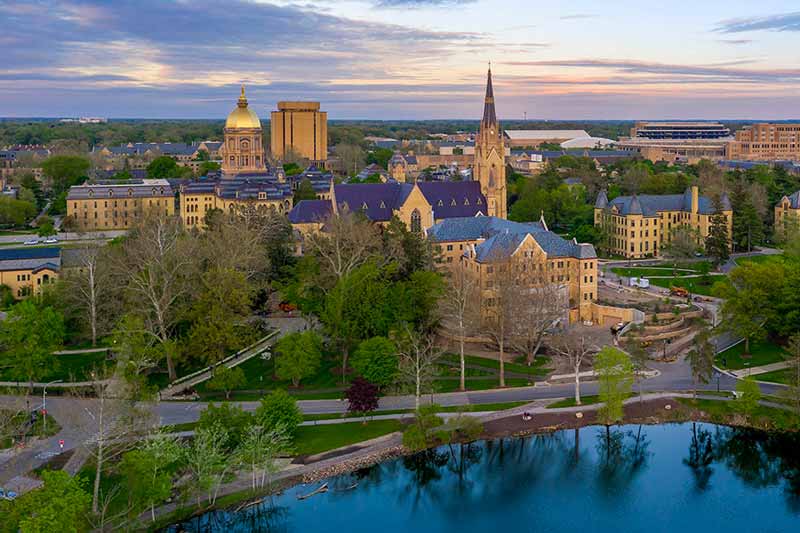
{"x": 402, "y": 59}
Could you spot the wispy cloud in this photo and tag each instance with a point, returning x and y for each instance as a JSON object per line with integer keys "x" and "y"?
{"x": 735, "y": 41}
{"x": 578, "y": 16}
{"x": 781, "y": 22}
{"x": 421, "y": 3}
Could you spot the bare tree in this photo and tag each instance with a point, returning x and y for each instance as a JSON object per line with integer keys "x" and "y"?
{"x": 159, "y": 261}
{"x": 346, "y": 242}
{"x": 418, "y": 355}
{"x": 461, "y": 310}
{"x": 576, "y": 349}
{"x": 88, "y": 288}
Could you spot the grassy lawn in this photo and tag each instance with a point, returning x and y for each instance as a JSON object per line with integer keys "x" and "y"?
{"x": 777, "y": 258}
{"x": 76, "y": 367}
{"x": 537, "y": 369}
{"x": 647, "y": 272}
{"x": 311, "y": 440}
{"x": 778, "y": 376}
{"x": 570, "y": 402}
{"x": 693, "y": 285}
{"x": 37, "y": 430}
{"x": 721, "y": 411}
{"x": 761, "y": 353}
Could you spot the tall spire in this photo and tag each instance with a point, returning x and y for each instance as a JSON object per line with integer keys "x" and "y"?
{"x": 242, "y": 98}
{"x": 489, "y": 115}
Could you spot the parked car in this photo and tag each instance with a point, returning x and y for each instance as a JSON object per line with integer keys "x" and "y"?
{"x": 51, "y": 240}
{"x": 31, "y": 242}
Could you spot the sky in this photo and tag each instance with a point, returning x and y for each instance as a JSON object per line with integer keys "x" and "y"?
{"x": 402, "y": 59}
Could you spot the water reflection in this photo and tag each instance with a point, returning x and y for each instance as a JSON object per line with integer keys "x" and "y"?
{"x": 638, "y": 471}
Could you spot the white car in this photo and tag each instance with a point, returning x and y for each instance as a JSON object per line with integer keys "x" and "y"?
{"x": 50, "y": 240}
{"x": 31, "y": 242}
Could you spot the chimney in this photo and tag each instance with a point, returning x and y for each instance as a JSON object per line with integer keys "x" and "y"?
{"x": 695, "y": 199}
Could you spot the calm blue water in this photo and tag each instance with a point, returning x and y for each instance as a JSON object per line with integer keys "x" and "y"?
{"x": 673, "y": 478}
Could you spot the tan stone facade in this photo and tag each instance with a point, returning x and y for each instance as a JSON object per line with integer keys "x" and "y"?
{"x": 24, "y": 283}
{"x": 787, "y": 215}
{"x": 102, "y": 206}
{"x": 231, "y": 197}
{"x": 27, "y": 271}
{"x": 640, "y": 226}
{"x": 489, "y": 167}
{"x": 299, "y": 127}
{"x": 243, "y": 147}
{"x": 766, "y": 142}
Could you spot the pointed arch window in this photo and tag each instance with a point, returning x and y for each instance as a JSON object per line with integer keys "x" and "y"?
{"x": 383, "y": 205}
{"x": 466, "y": 201}
{"x": 416, "y": 221}
{"x": 479, "y": 202}
{"x": 453, "y": 202}
{"x": 440, "y": 204}
{"x": 364, "y": 206}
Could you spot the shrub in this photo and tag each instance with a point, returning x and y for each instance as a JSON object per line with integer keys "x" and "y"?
{"x": 749, "y": 395}
{"x": 233, "y": 418}
{"x": 423, "y": 433}
{"x": 279, "y": 409}
{"x": 376, "y": 361}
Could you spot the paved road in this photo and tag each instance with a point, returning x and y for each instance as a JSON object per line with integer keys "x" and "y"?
{"x": 66, "y": 236}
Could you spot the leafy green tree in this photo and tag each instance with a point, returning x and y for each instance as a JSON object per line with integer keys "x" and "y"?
{"x": 292, "y": 169}
{"x": 380, "y": 156}
{"x": 227, "y": 379}
{"x": 615, "y": 375}
{"x": 304, "y": 191}
{"x": 45, "y": 228}
{"x": 298, "y": 356}
{"x": 422, "y": 432}
{"x": 701, "y": 358}
{"x": 206, "y": 167}
{"x": 28, "y": 336}
{"x": 65, "y": 171}
{"x": 147, "y": 472}
{"x": 60, "y": 504}
{"x": 233, "y": 418}
{"x": 718, "y": 243}
{"x": 202, "y": 155}
{"x": 258, "y": 451}
{"x": 748, "y": 228}
{"x": 376, "y": 361}
{"x": 793, "y": 390}
{"x": 163, "y": 167}
{"x": 749, "y": 395}
{"x": 279, "y": 410}
{"x": 206, "y": 463}
{"x": 15, "y": 212}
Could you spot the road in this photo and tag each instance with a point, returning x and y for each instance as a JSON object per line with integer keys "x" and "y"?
{"x": 65, "y": 236}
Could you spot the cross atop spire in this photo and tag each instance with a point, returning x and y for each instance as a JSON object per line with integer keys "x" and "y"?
{"x": 242, "y": 98}
{"x": 489, "y": 115}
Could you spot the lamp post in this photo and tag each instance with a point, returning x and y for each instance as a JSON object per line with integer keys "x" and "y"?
{"x": 44, "y": 404}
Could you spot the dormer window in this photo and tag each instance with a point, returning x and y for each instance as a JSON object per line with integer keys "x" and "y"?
{"x": 91, "y": 193}
{"x": 130, "y": 192}
{"x": 383, "y": 205}
{"x": 479, "y": 202}
{"x": 440, "y": 204}
{"x": 110, "y": 192}
{"x": 453, "y": 202}
{"x": 466, "y": 201}
{"x": 364, "y": 205}
{"x": 154, "y": 191}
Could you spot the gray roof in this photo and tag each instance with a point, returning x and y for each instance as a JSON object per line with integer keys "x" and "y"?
{"x": 794, "y": 200}
{"x": 501, "y": 237}
{"x": 602, "y": 200}
{"x": 121, "y": 189}
{"x": 30, "y": 259}
{"x": 242, "y": 187}
{"x": 650, "y": 205}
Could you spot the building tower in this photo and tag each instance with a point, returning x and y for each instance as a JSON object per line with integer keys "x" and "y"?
{"x": 490, "y": 166}
{"x": 243, "y": 148}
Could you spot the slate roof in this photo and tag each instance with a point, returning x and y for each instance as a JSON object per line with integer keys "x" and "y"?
{"x": 501, "y": 237}
{"x": 454, "y": 198}
{"x": 650, "y": 205}
{"x": 376, "y": 200}
{"x": 30, "y": 258}
{"x": 242, "y": 187}
{"x": 794, "y": 200}
{"x": 121, "y": 189}
{"x": 168, "y": 148}
{"x": 310, "y": 211}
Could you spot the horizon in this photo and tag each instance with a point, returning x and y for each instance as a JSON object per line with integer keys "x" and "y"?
{"x": 364, "y": 58}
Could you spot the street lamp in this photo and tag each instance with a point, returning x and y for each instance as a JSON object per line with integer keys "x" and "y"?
{"x": 44, "y": 404}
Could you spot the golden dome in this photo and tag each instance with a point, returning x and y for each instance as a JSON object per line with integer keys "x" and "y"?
{"x": 243, "y": 117}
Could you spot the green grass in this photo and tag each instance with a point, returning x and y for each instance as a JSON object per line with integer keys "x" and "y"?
{"x": 570, "y": 402}
{"x": 777, "y": 258}
{"x": 38, "y": 429}
{"x": 311, "y": 440}
{"x": 693, "y": 285}
{"x": 720, "y": 412}
{"x": 537, "y": 369}
{"x": 647, "y": 272}
{"x": 761, "y": 353}
{"x": 77, "y": 367}
{"x": 777, "y": 376}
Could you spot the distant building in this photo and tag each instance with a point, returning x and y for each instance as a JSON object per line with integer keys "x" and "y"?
{"x": 534, "y": 138}
{"x": 403, "y": 167}
{"x": 588, "y": 142}
{"x": 117, "y": 204}
{"x": 136, "y": 156}
{"x": 21, "y": 159}
{"x": 641, "y": 225}
{"x": 480, "y": 244}
{"x": 242, "y": 150}
{"x": 685, "y": 142}
{"x": 299, "y": 127}
{"x": 26, "y": 270}
{"x": 787, "y": 214}
{"x": 766, "y": 142}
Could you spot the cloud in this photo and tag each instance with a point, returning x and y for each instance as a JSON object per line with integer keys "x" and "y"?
{"x": 735, "y": 41}
{"x": 782, "y": 22}
{"x": 421, "y": 3}
{"x": 578, "y": 16}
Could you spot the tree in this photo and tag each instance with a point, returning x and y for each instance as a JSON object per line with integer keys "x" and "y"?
{"x": 422, "y": 431}
{"x": 163, "y": 167}
{"x": 259, "y": 449}
{"x": 640, "y": 360}
{"x": 45, "y": 227}
{"x": 701, "y": 358}
{"x": 136, "y": 350}
{"x": 362, "y": 396}
{"x": 206, "y": 463}
{"x": 278, "y": 409}
{"x": 159, "y": 262}
{"x": 461, "y": 311}
{"x": 683, "y": 243}
{"x": 147, "y": 472}
{"x": 89, "y": 287}
{"x": 15, "y": 212}
{"x": 60, "y": 504}
{"x": 304, "y": 191}
{"x": 615, "y": 375}
{"x": 227, "y": 379}
{"x": 298, "y": 356}
{"x": 376, "y": 361}
{"x": 352, "y": 157}
{"x": 718, "y": 243}
{"x": 233, "y": 418}
{"x": 418, "y": 356}
{"x": 793, "y": 390}
{"x": 749, "y": 395}
{"x": 65, "y": 171}
{"x": 206, "y": 167}
{"x": 576, "y": 349}
{"x": 751, "y": 295}
{"x": 28, "y": 336}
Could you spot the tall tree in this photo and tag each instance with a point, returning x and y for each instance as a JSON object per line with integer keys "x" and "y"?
{"x": 147, "y": 471}
{"x": 793, "y": 390}
{"x": 89, "y": 287}
{"x": 461, "y": 311}
{"x": 418, "y": 356}
{"x": 260, "y": 450}
{"x": 298, "y": 356}
{"x": 615, "y": 375}
{"x": 701, "y": 358}
{"x": 376, "y": 361}
{"x": 60, "y": 504}
{"x": 577, "y": 350}
{"x": 65, "y": 171}
{"x": 718, "y": 242}
{"x": 28, "y": 336}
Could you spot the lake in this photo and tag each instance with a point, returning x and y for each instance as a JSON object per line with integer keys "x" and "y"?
{"x": 673, "y": 478}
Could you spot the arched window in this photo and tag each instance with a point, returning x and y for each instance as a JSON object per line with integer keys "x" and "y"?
{"x": 416, "y": 221}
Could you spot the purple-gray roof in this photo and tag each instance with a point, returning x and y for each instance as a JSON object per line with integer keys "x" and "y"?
{"x": 310, "y": 211}
{"x": 454, "y": 198}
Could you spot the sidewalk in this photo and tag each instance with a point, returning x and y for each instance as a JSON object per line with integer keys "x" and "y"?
{"x": 756, "y": 370}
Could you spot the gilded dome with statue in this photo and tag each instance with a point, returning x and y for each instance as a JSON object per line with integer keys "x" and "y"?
{"x": 242, "y": 117}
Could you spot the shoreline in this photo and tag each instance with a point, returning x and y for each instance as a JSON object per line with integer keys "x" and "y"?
{"x": 652, "y": 411}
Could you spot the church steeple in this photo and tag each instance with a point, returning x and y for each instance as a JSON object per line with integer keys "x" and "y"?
{"x": 489, "y": 115}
